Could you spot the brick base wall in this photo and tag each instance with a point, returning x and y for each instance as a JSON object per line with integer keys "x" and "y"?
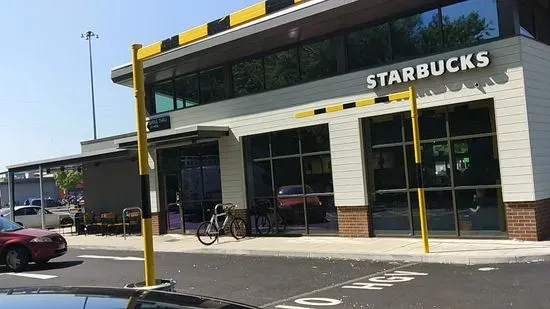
{"x": 354, "y": 221}
{"x": 159, "y": 224}
{"x": 528, "y": 220}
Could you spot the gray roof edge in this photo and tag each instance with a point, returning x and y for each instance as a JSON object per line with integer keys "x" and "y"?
{"x": 123, "y": 73}
{"x": 175, "y": 131}
{"x": 66, "y": 158}
{"x": 108, "y": 138}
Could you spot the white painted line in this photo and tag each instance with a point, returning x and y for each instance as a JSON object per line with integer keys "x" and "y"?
{"x": 378, "y": 273}
{"x": 114, "y": 258}
{"x": 32, "y": 276}
{"x": 487, "y": 268}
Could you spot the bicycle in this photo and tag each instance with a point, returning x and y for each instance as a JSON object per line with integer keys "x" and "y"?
{"x": 209, "y": 231}
{"x": 263, "y": 221}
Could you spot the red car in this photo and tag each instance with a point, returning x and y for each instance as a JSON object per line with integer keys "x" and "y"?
{"x": 290, "y": 205}
{"x": 19, "y": 245}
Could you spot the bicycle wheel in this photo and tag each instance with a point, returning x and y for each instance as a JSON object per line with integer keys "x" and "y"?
{"x": 238, "y": 228}
{"x": 263, "y": 224}
{"x": 207, "y": 233}
{"x": 281, "y": 223}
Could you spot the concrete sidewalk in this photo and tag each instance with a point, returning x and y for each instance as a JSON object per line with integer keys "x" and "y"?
{"x": 450, "y": 251}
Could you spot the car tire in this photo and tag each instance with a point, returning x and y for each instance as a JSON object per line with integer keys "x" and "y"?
{"x": 16, "y": 258}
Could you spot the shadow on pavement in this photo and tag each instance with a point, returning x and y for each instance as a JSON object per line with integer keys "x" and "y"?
{"x": 54, "y": 265}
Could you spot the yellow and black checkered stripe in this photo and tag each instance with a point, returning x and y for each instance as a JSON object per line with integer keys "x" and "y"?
{"x": 229, "y": 21}
{"x": 405, "y": 95}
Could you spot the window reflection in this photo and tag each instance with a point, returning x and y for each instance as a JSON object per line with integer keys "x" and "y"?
{"x": 470, "y": 119}
{"x": 281, "y": 69}
{"x": 258, "y": 146}
{"x": 187, "y": 91}
{"x": 318, "y": 59}
{"x": 439, "y": 211}
{"x": 385, "y": 129}
{"x": 248, "y": 77}
{"x": 164, "y": 99}
{"x": 389, "y": 171}
{"x": 212, "y": 85}
{"x": 469, "y": 22}
{"x": 284, "y": 143}
{"x": 315, "y": 139}
{"x": 390, "y": 213}
{"x": 416, "y": 35}
{"x": 476, "y": 162}
{"x": 360, "y": 47}
{"x": 261, "y": 185}
{"x": 318, "y": 173}
{"x": 480, "y": 210}
{"x": 435, "y": 165}
{"x": 432, "y": 124}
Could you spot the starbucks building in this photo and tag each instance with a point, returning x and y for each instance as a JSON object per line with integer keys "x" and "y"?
{"x": 282, "y": 109}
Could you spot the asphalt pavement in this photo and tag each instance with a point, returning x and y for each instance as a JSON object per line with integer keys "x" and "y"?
{"x": 300, "y": 283}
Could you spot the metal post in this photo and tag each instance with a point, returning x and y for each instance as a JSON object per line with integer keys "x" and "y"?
{"x": 88, "y": 36}
{"x": 418, "y": 161}
{"x": 180, "y": 207}
{"x": 42, "y": 207}
{"x": 11, "y": 194}
{"x": 143, "y": 156}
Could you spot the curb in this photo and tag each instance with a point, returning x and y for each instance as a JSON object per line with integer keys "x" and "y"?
{"x": 415, "y": 258}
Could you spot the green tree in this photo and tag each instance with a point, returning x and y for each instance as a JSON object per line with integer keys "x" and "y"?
{"x": 67, "y": 180}
{"x": 466, "y": 30}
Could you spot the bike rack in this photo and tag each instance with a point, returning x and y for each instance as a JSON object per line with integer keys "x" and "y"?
{"x": 124, "y": 218}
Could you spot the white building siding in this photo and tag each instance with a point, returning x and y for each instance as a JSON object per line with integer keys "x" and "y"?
{"x": 274, "y": 110}
{"x": 536, "y": 66}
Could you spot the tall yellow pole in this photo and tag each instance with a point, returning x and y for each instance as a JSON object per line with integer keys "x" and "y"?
{"x": 418, "y": 164}
{"x": 143, "y": 156}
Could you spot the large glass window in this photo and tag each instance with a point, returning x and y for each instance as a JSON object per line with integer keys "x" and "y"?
{"x": 212, "y": 85}
{"x": 164, "y": 97}
{"x": 187, "y": 91}
{"x": 369, "y": 47}
{"x": 416, "y": 35}
{"x": 318, "y": 59}
{"x": 289, "y": 182}
{"x": 281, "y": 69}
{"x": 248, "y": 77}
{"x": 470, "y": 22}
{"x": 459, "y": 168}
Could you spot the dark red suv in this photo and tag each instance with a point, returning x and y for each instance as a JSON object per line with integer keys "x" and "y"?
{"x": 19, "y": 245}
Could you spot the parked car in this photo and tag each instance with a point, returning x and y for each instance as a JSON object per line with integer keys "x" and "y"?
{"x": 48, "y": 202}
{"x": 19, "y": 245}
{"x": 31, "y": 216}
{"x": 290, "y": 205}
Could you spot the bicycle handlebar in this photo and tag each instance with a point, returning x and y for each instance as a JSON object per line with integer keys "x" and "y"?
{"x": 225, "y": 207}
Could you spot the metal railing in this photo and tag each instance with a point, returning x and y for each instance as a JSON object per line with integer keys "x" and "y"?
{"x": 124, "y": 218}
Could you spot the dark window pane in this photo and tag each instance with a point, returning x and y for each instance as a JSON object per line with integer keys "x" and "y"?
{"x": 261, "y": 179}
{"x": 258, "y": 145}
{"x": 288, "y": 181}
{"x": 385, "y": 129}
{"x": 469, "y": 22}
{"x": 263, "y": 216}
{"x": 281, "y": 69}
{"x": 212, "y": 85}
{"x": 390, "y": 213}
{"x": 480, "y": 211}
{"x": 318, "y": 59}
{"x": 474, "y": 118}
{"x": 369, "y": 47}
{"x": 439, "y": 211}
{"x": 435, "y": 165}
{"x": 187, "y": 91}
{"x": 325, "y": 219}
{"x": 248, "y": 77}
{"x": 315, "y": 139}
{"x": 164, "y": 97}
{"x": 389, "y": 170}
{"x": 284, "y": 143}
{"x": 476, "y": 162}
{"x": 318, "y": 173}
{"x": 416, "y": 35}
{"x": 431, "y": 122}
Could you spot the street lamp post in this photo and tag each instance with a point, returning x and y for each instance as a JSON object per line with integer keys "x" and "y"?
{"x": 88, "y": 36}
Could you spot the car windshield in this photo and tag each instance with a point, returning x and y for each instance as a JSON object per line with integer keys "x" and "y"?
{"x": 7, "y": 225}
{"x": 35, "y": 202}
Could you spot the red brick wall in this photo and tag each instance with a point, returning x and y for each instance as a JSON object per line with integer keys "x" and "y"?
{"x": 528, "y": 220}
{"x": 159, "y": 224}
{"x": 354, "y": 221}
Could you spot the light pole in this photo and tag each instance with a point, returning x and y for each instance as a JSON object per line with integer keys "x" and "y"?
{"x": 88, "y": 36}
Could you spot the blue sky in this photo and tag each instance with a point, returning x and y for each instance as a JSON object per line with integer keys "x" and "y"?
{"x": 45, "y": 107}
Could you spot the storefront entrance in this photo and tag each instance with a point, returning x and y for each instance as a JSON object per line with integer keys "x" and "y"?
{"x": 193, "y": 174}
